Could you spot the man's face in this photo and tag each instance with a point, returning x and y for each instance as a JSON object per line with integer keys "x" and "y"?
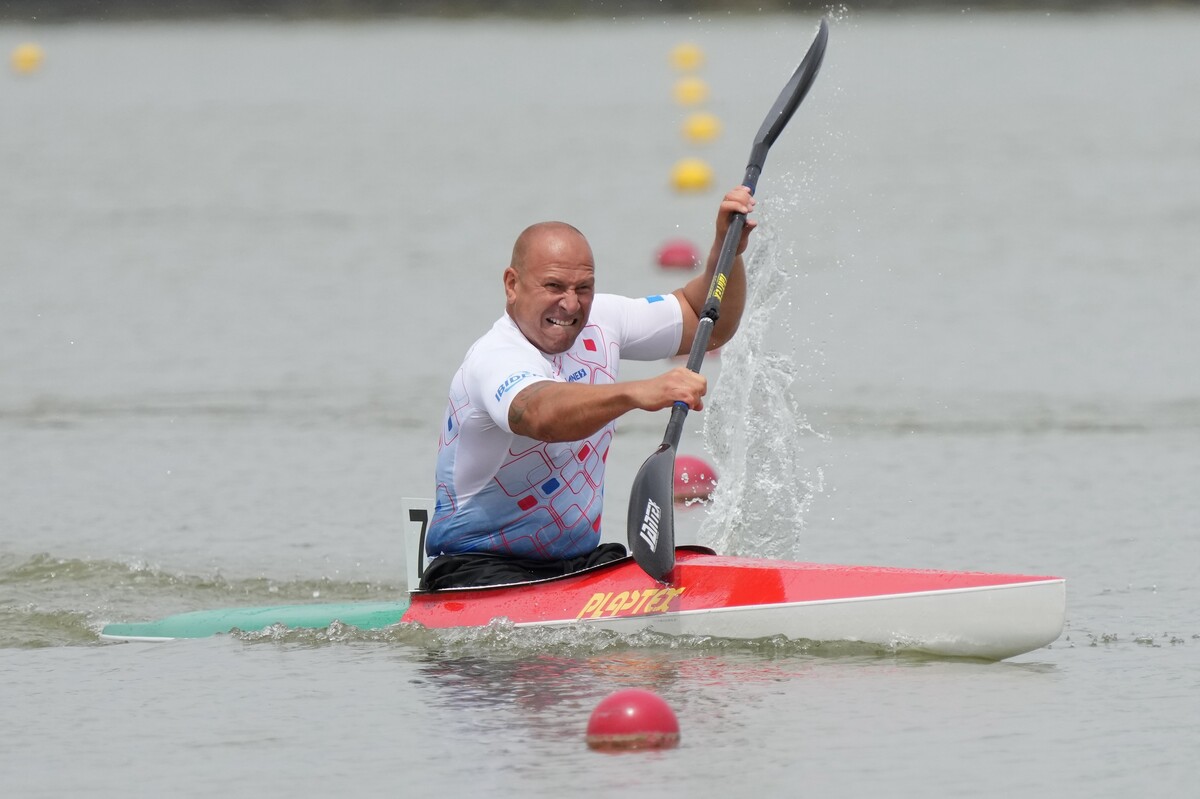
{"x": 550, "y": 295}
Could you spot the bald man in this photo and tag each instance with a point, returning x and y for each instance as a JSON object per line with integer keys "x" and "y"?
{"x": 532, "y": 409}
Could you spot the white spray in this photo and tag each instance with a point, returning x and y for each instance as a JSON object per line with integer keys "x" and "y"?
{"x": 760, "y": 439}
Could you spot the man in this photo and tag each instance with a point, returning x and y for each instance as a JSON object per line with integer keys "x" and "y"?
{"x": 532, "y": 409}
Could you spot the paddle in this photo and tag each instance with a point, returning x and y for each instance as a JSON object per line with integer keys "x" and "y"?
{"x": 651, "y": 521}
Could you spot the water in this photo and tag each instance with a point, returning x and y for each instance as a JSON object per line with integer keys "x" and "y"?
{"x": 240, "y": 261}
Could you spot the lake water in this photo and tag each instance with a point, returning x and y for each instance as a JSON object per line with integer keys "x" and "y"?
{"x": 239, "y": 263}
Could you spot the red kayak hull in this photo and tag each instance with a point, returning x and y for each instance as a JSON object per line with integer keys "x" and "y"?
{"x": 972, "y": 614}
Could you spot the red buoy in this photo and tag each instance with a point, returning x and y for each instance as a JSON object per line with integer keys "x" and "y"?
{"x": 633, "y": 719}
{"x": 678, "y": 254}
{"x": 694, "y": 478}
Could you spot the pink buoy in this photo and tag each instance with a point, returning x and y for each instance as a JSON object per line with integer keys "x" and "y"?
{"x": 678, "y": 254}
{"x": 694, "y": 478}
{"x": 633, "y": 719}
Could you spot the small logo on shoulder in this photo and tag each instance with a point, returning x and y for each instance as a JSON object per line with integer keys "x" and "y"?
{"x": 577, "y": 376}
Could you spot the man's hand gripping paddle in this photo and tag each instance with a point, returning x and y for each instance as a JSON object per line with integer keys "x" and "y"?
{"x": 651, "y": 518}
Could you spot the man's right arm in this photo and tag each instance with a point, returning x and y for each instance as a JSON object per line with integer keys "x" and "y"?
{"x": 553, "y": 411}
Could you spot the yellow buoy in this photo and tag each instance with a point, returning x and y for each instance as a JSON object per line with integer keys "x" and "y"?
{"x": 26, "y": 58}
{"x": 690, "y": 90}
{"x": 701, "y": 127}
{"x": 691, "y": 174}
{"x": 687, "y": 57}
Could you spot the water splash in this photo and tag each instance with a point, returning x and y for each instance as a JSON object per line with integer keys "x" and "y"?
{"x": 754, "y": 427}
{"x": 502, "y": 641}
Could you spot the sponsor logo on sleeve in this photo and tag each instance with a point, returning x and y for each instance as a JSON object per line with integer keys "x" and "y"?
{"x": 577, "y": 376}
{"x": 511, "y": 381}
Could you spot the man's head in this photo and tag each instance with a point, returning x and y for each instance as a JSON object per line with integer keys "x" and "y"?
{"x": 549, "y": 285}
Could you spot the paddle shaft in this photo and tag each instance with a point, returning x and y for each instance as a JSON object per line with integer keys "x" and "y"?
{"x": 774, "y": 123}
{"x": 709, "y": 314}
{"x": 651, "y": 525}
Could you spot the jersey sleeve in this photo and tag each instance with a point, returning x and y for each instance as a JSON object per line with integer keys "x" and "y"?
{"x": 497, "y": 374}
{"x": 650, "y": 327}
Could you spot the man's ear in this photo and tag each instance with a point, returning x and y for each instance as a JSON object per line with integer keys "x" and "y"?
{"x": 510, "y": 285}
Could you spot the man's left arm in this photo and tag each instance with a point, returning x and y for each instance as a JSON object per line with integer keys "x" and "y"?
{"x": 550, "y": 410}
{"x": 695, "y": 293}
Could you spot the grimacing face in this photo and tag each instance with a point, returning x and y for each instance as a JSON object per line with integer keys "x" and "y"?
{"x": 549, "y": 294}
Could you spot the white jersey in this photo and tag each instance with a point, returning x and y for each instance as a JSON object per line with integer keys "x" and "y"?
{"x": 504, "y": 493}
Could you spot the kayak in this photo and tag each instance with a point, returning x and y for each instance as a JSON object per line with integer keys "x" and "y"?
{"x": 962, "y": 614}
{"x": 947, "y": 613}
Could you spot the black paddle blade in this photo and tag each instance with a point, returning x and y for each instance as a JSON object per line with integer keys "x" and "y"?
{"x": 787, "y": 103}
{"x": 651, "y": 522}
{"x": 795, "y": 90}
